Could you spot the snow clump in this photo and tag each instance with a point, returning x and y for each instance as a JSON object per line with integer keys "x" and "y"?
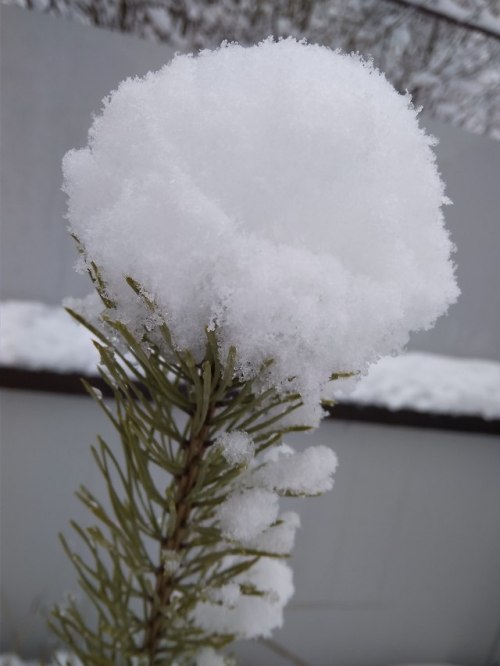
{"x": 308, "y": 472}
{"x": 249, "y": 513}
{"x": 236, "y": 446}
{"x": 279, "y": 538}
{"x": 252, "y": 604}
{"x": 283, "y": 195}
{"x": 245, "y": 515}
{"x": 253, "y": 614}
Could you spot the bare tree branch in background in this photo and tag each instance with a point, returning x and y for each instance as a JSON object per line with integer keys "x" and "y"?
{"x": 445, "y": 53}
{"x": 473, "y": 14}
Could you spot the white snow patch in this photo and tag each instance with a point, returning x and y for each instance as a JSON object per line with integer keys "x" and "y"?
{"x": 244, "y": 515}
{"x": 307, "y": 472}
{"x": 283, "y": 194}
{"x": 236, "y": 446}
{"x": 228, "y": 595}
{"x": 253, "y": 615}
{"x": 250, "y": 514}
{"x": 279, "y": 538}
{"x": 431, "y": 383}
{"x": 44, "y": 337}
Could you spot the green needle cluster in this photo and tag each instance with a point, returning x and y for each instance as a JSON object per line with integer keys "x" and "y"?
{"x": 154, "y": 548}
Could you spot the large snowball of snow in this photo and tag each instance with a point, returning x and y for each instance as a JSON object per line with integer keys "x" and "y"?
{"x": 283, "y": 194}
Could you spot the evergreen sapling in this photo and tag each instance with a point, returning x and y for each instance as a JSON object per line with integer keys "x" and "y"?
{"x": 259, "y": 224}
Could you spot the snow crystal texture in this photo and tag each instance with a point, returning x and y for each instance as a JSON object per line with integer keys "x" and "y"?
{"x": 283, "y": 194}
{"x": 236, "y": 446}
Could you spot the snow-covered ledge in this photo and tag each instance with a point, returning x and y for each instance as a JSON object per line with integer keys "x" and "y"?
{"x": 42, "y": 348}
{"x": 36, "y": 336}
{"x": 432, "y": 383}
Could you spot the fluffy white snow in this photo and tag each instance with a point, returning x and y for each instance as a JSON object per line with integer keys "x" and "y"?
{"x": 431, "y": 383}
{"x": 283, "y": 194}
{"x": 307, "y": 472}
{"x": 250, "y": 513}
{"x": 251, "y": 615}
{"x": 236, "y": 446}
{"x": 279, "y": 538}
{"x": 250, "y": 517}
{"x": 244, "y": 515}
{"x": 227, "y": 594}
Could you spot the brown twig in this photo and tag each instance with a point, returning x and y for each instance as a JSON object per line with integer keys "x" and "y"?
{"x": 174, "y": 542}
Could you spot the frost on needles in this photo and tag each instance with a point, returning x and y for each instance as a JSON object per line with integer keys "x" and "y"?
{"x": 256, "y": 221}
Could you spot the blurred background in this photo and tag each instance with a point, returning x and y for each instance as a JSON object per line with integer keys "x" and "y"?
{"x": 400, "y": 563}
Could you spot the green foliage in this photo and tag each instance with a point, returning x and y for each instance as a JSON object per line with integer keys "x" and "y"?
{"x": 154, "y": 547}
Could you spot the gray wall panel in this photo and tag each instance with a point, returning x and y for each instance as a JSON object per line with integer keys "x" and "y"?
{"x": 398, "y": 564}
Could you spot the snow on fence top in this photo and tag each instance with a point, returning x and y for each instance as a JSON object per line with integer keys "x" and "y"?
{"x": 283, "y": 194}
{"x": 42, "y": 337}
{"x": 431, "y": 383}
{"x": 36, "y": 336}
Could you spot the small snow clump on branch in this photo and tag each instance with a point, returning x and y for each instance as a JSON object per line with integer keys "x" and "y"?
{"x": 245, "y": 515}
{"x": 307, "y": 472}
{"x": 283, "y": 194}
{"x": 249, "y": 517}
{"x": 250, "y": 512}
{"x": 236, "y": 446}
{"x": 250, "y": 616}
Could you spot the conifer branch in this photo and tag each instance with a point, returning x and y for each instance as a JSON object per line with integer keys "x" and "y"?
{"x": 165, "y": 488}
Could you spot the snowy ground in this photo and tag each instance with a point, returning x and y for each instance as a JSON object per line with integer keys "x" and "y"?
{"x": 36, "y": 336}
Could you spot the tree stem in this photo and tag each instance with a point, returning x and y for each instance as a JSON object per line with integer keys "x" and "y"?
{"x": 165, "y": 582}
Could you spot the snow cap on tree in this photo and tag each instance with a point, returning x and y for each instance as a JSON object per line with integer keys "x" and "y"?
{"x": 283, "y": 194}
